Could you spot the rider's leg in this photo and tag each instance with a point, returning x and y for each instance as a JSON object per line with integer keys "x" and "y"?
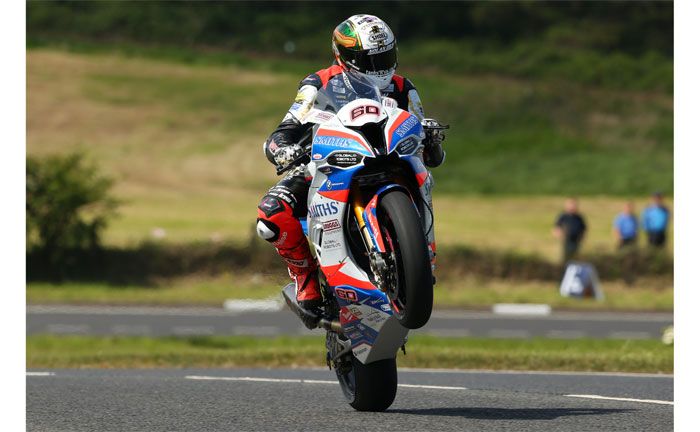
{"x": 278, "y": 224}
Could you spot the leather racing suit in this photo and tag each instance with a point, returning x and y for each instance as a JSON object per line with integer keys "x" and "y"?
{"x": 284, "y": 203}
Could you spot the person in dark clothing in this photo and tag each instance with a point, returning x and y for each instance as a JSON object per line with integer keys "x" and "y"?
{"x": 570, "y": 227}
{"x": 655, "y": 221}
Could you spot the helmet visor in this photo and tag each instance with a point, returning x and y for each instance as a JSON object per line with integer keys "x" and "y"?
{"x": 364, "y": 61}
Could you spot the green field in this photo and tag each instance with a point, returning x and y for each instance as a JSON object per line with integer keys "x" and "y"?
{"x": 422, "y": 351}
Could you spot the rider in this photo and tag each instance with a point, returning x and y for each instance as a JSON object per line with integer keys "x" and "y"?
{"x": 364, "y": 45}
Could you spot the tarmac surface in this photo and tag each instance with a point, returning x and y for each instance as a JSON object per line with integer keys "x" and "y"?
{"x": 164, "y": 321}
{"x": 310, "y": 399}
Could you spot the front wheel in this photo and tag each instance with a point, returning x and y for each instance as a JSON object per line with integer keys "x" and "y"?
{"x": 369, "y": 387}
{"x": 410, "y": 286}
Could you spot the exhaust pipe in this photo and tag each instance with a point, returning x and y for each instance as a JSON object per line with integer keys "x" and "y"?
{"x": 310, "y": 319}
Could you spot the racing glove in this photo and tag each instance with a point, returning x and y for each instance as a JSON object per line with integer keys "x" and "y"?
{"x": 433, "y": 154}
{"x": 287, "y": 154}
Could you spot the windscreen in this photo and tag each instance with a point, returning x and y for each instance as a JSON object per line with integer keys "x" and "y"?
{"x": 345, "y": 88}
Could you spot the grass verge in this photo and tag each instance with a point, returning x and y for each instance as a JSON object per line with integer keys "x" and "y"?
{"x": 652, "y": 294}
{"x": 650, "y": 356}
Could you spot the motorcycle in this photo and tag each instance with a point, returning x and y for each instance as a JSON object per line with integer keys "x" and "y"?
{"x": 370, "y": 221}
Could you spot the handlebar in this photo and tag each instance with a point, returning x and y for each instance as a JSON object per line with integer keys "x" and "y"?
{"x": 438, "y": 127}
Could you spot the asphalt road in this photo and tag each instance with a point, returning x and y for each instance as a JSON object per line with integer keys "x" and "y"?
{"x": 160, "y": 321}
{"x": 310, "y": 399}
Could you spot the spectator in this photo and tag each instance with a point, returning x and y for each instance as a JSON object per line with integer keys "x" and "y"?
{"x": 655, "y": 221}
{"x": 626, "y": 226}
{"x": 570, "y": 228}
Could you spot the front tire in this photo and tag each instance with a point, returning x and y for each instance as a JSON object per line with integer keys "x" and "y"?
{"x": 369, "y": 387}
{"x": 412, "y": 292}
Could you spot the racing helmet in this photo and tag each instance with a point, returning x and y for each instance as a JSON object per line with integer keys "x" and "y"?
{"x": 366, "y": 45}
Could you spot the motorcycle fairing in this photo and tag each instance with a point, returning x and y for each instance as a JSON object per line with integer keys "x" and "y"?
{"x": 366, "y": 318}
{"x": 366, "y": 314}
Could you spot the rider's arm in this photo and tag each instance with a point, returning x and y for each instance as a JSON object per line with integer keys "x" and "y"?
{"x": 291, "y": 130}
{"x": 415, "y": 106}
{"x": 433, "y": 154}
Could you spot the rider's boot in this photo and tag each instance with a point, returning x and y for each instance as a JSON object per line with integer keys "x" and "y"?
{"x": 303, "y": 269}
{"x": 278, "y": 225}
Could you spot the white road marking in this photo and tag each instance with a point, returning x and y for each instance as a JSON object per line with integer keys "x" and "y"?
{"x": 521, "y": 309}
{"x": 273, "y": 304}
{"x": 305, "y": 381}
{"x": 433, "y": 387}
{"x": 652, "y": 401}
{"x": 40, "y": 374}
{"x": 215, "y": 378}
{"x": 527, "y": 372}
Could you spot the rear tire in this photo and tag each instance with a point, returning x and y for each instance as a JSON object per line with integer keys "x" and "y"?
{"x": 370, "y": 387}
{"x": 412, "y": 300}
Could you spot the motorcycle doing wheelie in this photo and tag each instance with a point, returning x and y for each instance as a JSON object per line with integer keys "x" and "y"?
{"x": 370, "y": 221}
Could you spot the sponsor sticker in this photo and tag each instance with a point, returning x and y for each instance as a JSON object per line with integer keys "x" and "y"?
{"x": 347, "y": 316}
{"x": 330, "y": 244}
{"x": 406, "y": 126}
{"x": 378, "y": 36}
{"x": 331, "y": 141}
{"x": 381, "y": 49}
{"x": 325, "y": 209}
{"x": 317, "y": 156}
{"x": 331, "y": 225}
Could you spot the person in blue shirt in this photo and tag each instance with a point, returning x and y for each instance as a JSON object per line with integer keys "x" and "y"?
{"x": 626, "y": 226}
{"x": 655, "y": 221}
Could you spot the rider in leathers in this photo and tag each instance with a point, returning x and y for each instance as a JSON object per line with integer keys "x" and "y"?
{"x": 362, "y": 44}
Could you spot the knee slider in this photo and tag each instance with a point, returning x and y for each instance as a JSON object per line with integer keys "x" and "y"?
{"x": 267, "y": 230}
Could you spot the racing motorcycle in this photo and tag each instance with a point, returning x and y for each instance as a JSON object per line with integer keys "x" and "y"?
{"x": 370, "y": 221}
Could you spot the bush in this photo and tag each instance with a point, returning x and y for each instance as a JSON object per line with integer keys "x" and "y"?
{"x": 68, "y": 206}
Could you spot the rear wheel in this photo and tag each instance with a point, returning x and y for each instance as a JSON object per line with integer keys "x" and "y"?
{"x": 410, "y": 287}
{"x": 369, "y": 387}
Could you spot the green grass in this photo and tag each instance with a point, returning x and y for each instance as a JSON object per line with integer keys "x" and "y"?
{"x": 423, "y": 351}
{"x": 509, "y": 135}
{"x": 466, "y": 293}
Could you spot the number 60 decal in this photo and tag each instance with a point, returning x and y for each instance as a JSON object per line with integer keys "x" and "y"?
{"x": 346, "y": 294}
{"x": 362, "y": 110}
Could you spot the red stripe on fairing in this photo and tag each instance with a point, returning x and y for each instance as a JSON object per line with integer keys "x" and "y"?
{"x": 420, "y": 177}
{"x": 339, "y": 195}
{"x": 336, "y": 278}
{"x": 341, "y": 134}
{"x": 400, "y": 119}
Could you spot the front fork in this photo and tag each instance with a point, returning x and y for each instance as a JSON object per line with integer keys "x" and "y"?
{"x": 381, "y": 259}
